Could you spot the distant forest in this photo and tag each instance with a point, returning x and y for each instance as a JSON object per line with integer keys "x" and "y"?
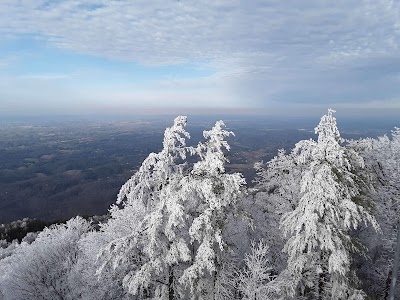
{"x": 319, "y": 221}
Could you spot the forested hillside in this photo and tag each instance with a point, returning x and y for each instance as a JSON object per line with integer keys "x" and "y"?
{"x": 320, "y": 222}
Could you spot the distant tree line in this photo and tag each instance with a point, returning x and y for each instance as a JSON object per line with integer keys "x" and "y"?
{"x": 17, "y": 230}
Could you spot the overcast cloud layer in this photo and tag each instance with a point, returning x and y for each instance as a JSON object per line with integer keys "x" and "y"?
{"x": 258, "y": 53}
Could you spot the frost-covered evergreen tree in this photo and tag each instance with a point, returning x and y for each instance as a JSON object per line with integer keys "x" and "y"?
{"x": 106, "y": 287}
{"x": 279, "y": 178}
{"x": 156, "y": 170}
{"x": 382, "y": 159}
{"x": 212, "y": 195}
{"x": 44, "y": 269}
{"x": 176, "y": 242}
{"x": 320, "y": 245}
{"x": 257, "y": 274}
{"x": 183, "y": 237}
{"x": 135, "y": 247}
{"x": 277, "y": 192}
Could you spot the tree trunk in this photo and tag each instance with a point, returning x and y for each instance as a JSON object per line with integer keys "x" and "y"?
{"x": 395, "y": 265}
{"x": 322, "y": 276}
{"x": 171, "y": 292}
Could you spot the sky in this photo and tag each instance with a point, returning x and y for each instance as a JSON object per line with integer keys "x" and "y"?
{"x": 155, "y": 56}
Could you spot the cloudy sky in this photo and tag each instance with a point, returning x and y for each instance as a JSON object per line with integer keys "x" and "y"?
{"x": 79, "y": 56}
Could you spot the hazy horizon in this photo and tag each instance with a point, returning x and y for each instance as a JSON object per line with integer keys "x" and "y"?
{"x": 312, "y": 112}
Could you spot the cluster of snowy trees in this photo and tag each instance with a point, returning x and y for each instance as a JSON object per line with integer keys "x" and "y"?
{"x": 320, "y": 223}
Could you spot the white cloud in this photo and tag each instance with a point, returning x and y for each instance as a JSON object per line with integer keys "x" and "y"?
{"x": 262, "y": 51}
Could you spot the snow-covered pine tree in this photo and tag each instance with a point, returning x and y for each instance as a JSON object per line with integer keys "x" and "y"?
{"x": 185, "y": 242}
{"x": 212, "y": 195}
{"x": 277, "y": 192}
{"x": 257, "y": 273}
{"x": 279, "y": 178}
{"x": 157, "y": 168}
{"x": 177, "y": 240}
{"x": 382, "y": 159}
{"x": 164, "y": 246}
{"x": 320, "y": 245}
{"x": 131, "y": 237}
